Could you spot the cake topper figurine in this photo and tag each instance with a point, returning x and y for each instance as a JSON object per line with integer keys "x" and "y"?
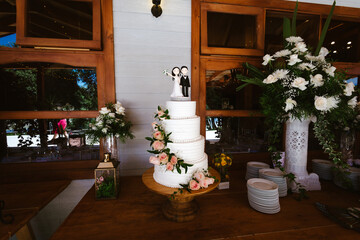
{"x": 185, "y": 81}
{"x": 175, "y": 74}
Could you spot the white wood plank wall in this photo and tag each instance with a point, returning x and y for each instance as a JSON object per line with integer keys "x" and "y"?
{"x": 144, "y": 47}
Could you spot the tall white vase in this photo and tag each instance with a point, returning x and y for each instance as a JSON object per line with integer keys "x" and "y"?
{"x": 296, "y": 150}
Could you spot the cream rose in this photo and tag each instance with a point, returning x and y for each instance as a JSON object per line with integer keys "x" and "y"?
{"x": 294, "y": 59}
{"x": 290, "y": 104}
{"x": 104, "y": 110}
{"x": 209, "y": 180}
{"x": 169, "y": 166}
{"x": 299, "y": 83}
{"x": 154, "y": 126}
{"x": 173, "y": 160}
{"x": 267, "y": 58}
{"x": 158, "y": 145}
{"x": 317, "y": 80}
{"x": 320, "y": 103}
{"x": 163, "y": 157}
{"x": 270, "y": 79}
{"x": 353, "y": 102}
{"x": 158, "y": 135}
{"x": 203, "y": 183}
{"x": 199, "y": 176}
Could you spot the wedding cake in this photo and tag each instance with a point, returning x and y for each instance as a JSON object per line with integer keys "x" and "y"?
{"x": 186, "y": 143}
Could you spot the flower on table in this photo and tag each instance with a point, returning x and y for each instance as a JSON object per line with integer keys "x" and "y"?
{"x": 280, "y": 73}
{"x": 320, "y": 103}
{"x": 119, "y": 108}
{"x": 104, "y": 110}
{"x": 169, "y": 166}
{"x": 330, "y": 71}
{"x": 323, "y": 52}
{"x": 299, "y": 83}
{"x": 300, "y": 47}
{"x": 282, "y": 53}
{"x": 194, "y": 185}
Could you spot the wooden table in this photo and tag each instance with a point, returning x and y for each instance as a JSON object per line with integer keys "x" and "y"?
{"x": 24, "y": 201}
{"x": 182, "y": 207}
{"x": 224, "y": 214}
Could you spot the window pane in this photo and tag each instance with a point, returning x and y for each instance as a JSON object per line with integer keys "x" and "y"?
{"x": 235, "y": 135}
{"x": 47, "y": 86}
{"x": 7, "y": 23}
{"x": 231, "y": 30}
{"x": 221, "y": 91}
{"x": 307, "y": 27}
{"x": 343, "y": 41}
{"x": 59, "y": 19}
{"x": 44, "y": 140}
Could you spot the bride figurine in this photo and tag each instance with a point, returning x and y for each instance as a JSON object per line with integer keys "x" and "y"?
{"x": 175, "y": 74}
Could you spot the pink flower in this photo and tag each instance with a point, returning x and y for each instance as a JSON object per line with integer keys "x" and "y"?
{"x": 154, "y": 126}
{"x": 163, "y": 158}
{"x": 158, "y": 135}
{"x": 173, "y": 160}
{"x": 169, "y": 166}
{"x": 203, "y": 183}
{"x": 160, "y": 113}
{"x": 154, "y": 160}
{"x": 158, "y": 145}
{"x": 101, "y": 179}
{"x": 199, "y": 176}
{"x": 194, "y": 185}
{"x": 209, "y": 180}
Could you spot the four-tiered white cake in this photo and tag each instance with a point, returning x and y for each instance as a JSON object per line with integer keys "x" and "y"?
{"x": 187, "y": 143}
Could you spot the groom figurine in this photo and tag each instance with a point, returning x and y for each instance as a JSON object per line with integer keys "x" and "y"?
{"x": 185, "y": 81}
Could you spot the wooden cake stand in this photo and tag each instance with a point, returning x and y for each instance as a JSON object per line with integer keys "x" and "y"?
{"x": 182, "y": 207}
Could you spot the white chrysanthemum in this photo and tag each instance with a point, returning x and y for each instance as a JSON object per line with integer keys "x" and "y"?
{"x": 323, "y": 52}
{"x": 349, "y": 89}
{"x": 306, "y": 66}
{"x": 293, "y": 59}
{"x": 332, "y": 102}
{"x": 290, "y": 104}
{"x": 330, "y": 70}
{"x": 280, "y": 73}
{"x": 117, "y": 135}
{"x": 282, "y": 53}
{"x": 112, "y": 115}
{"x": 353, "y": 102}
{"x": 299, "y": 83}
{"x": 104, "y": 110}
{"x": 294, "y": 39}
{"x": 300, "y": 47}
{"x": 267, "y": 58}
{"x": 270, "y": 79}
{"x": 104, "y": 130}
{"x": 317, "y": 80}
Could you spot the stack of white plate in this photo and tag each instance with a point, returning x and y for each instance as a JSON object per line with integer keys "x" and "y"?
{"x": 252, "y": 169}
{"x": 263, "y": 195}
{"x": 276, "y": 176}
{"x": 323, "y": 168}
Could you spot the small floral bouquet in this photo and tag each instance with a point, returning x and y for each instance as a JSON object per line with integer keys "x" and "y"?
{"x": 105, "y": 187}
{"x": 200, "y": 179}
{"x": 158, "y": 143}
{"x": 111, "y": 122}
{"x": 222, "y": 162}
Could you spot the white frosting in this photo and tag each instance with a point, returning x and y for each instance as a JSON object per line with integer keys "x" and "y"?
{"x": 190, "y": 152}
{"x": 182, "y": 129}
{"x": 173, "y": 179}
{"x": 181, "y": 109}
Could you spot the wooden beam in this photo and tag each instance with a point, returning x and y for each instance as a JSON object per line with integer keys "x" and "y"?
{"x": 47, "y": 114}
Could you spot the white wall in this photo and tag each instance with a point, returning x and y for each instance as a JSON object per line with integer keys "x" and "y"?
{"x": 144, "y": 47}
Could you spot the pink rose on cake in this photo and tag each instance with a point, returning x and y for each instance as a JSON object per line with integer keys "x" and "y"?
{"x": 173, "y": 160}
{"x": 199, "y": 176}
{"x": 169, "y": 166}
{"x": 158, "y": 145}
{"x": 194, "y": 185}
{"x": 158, "y": 135}
{"x": 154, "y": 160}
{"x": 155, "y": 126}
{"x": 209, "y": 180}
{"x": 160, "y": 113}
{"x": 163, "y": 158}
{"x": 203, "y": 183}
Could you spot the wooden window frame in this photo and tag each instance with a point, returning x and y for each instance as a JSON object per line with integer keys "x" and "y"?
{"x": 23, "y": 40}
{"x": 223, "y": 8}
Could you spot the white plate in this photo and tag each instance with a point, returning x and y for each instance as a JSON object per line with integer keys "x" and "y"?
{"x": 262, "y": 184}
{"x": 258, "y": 165}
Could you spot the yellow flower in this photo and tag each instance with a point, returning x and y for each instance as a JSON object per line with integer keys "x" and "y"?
{"x": 217, "y": 164}
{"x": 223, "y": 162}
{"x": 230, "y": 162}
{"x": 222, "y": 155}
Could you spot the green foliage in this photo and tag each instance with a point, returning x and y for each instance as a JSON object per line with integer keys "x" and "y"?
{"x": 106, "y": 189}
{"x": 324, "y": 30}
{"x": 293, "y": 23}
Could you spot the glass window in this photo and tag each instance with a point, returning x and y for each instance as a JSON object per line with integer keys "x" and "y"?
{"x": 343, "y": 41}
{"x": 47, "y": 86}
{"x": 231, "y": 30}
{"x": 7, "y": 23}
{"x": 59, "y": 19}
{"x": 307, "y": 27}
{"x": 235, "y": 135}
{"x": 221, "y": 91}
{"x": 44, "y": 140}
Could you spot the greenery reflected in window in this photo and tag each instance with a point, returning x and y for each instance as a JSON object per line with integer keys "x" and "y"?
{"x": 47, "y": 86}
{"x": 7, "y": 23}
